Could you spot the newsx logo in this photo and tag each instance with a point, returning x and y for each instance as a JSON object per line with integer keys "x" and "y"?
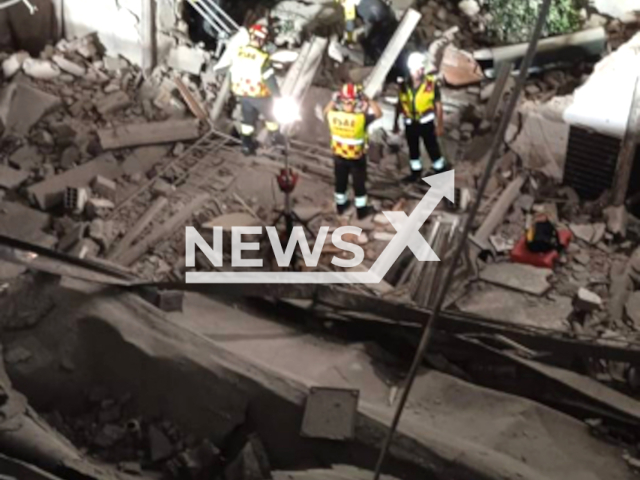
{"x": 407, "y": 235}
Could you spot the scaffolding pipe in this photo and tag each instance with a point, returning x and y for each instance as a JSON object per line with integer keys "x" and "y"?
{"x": 431, "y": 325}
{"x": 222, "y": 13}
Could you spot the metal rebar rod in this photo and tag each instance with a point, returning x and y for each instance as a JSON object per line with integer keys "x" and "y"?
{"x": 215, "y": 14}
{"x": 430, "y": 326}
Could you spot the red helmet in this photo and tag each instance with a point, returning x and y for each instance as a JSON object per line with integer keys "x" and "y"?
{"x": 350, "y": 91}
{"x": 258, "y": 32}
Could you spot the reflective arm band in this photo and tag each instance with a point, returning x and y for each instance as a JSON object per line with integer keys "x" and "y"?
{"x": 347, "y": 141}
{"x": 268, "y": 73}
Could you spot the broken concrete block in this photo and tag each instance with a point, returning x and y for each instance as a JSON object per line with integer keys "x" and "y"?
{"x": 42, "y": 138}
{"x": 160, "y": 447}
{"x": 149, "y": 133}
{"x": 230, "y": 220}
{"x": 101, "y": 231}
{"x": 501, "y": 244}
{"x": 50, "y": 192}
{"x": 113, "y": 64}
{"x": 586, "y": 301}
{"x": 70, "y": 157}
{"x": 588, "y": 233}
{"x": 17, "y": 354}
{"x": 26, "y": 158}
{"x": 23, "y": 105}
{"x": 187, "y": 59}
{"x": 170, "y": 300}
{"x": 104, "y": 187}
{"x": 459, "y": 68}
{"x": 632, "y": 308}
{"x": 109, "y": 435}
{"x": 63, "y": 134}
{"x": 112, "y": 103}
{"x": 10, "y": 178}
{"x": 144, "y": 159}
{"x": 13, "y": 64}
{"x": 617, "y": 218}
{"x": 162, "y": 188}
{"x": 524, "y": 278}
{"x": 470, "y": 8}
{"x": 69, "y": 66}
{"x": 582, "y": 258}
{"x": 73, "y": 236}
{"x": 40, "y": 69}
{"x": 98, "y": 207}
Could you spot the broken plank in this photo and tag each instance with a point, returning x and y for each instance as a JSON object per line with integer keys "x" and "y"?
{"x": 162, "y": 231}
{"x": 137, "y": 229}
{"x": 190, "y": 100}
{"x": 375, "y": 81}
{"x": 50, "y": 192}
{"x": 149, "y": 133}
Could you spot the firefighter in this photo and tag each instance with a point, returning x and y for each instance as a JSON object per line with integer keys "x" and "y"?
{"x": 420, "y": 104}
{"x": 348, "y": 118}
{"x": 379, "y": 24}
{"x": 254, "y": 83}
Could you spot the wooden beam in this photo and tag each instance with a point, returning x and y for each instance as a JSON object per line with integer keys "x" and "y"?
{"x": 628, "y": 150}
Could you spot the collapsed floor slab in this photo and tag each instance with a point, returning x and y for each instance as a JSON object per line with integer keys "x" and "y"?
{"x": 215, "y": 367}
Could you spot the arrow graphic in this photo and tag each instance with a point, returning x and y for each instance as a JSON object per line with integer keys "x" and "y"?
{"x": 408, "y": 235}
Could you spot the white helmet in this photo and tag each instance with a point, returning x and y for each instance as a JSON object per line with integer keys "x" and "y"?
{"x": 416, "y": 62}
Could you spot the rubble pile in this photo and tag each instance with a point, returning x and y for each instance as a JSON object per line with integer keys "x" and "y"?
{"x": 108, "y": 430}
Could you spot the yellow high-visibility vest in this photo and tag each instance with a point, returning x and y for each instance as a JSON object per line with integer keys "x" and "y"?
{"x": 421, "y": 105}
{"x": 349, "y": 7}
{"x": 246, "y": 73}
{"x": 348, "y": 134}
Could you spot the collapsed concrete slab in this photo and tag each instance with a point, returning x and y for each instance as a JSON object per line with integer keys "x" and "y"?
{"x": 149, "y": 133}
{"x": 221, "y": 377}
{"x": 11, "y": 178}
{"x": 21, "y": 106}
{"x": 516, "y": 276}
{"x": 50, "y": 192}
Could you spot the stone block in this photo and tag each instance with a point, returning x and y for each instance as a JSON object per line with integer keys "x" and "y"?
{"x": 104, "y": 187}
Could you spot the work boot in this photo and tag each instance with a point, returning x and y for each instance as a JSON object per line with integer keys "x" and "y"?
{"x": 433, "y": 171}
{"x": 248, "y": 146}
{"x": 343, "y": 208}
{"x": 413, "y": 177}
{"x": 364, "y": 212}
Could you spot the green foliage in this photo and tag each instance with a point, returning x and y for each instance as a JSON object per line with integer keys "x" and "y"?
{"x": 513, "y": 20}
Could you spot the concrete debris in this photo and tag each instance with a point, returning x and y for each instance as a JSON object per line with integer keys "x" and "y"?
{"x": 459, "y": 68}
{"x": 70, "y": 156}
{"x": 470, "y": 8}
{"x": 582, "y": 258}
{"x": 186, "y": 59}
{"x": 10, "y": 178}
{"x": 149, "y": 133}
{"x": 524, "y": 278}
{"x": 617, "y": 218}
{"x": 160, "y": 447}
{"x": 588, "y": 233}
{"x": 40, "y": 69}
{"x": 25, "y": 158}
{"x": 104, "y": 187}
{"x": 49, "y": 193}
{"x": 69, "y": 66}
{"x": 632, "y": 309}
{"x": 13, "y": 64}
{"x": 113, "y": 102}
{"x": 500, "y": 244}
{"x": 98, "y": 207}
{"x": 113, "y": 64}
{"x": 161, "y": 188}
{"x": 24, "y": 107}
{"x": 230, "y": 220}
{"x": 586, "y": 301}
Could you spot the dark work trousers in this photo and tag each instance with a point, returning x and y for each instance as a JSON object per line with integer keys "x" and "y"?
{"x": 427, "y": 132}
{"x": 253, "y": 107}
{"x": 358, "y": 171}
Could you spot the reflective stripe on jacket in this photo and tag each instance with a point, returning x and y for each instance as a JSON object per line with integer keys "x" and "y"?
{"x": 348, "y": 134}
{"x": 419, "y": 105}
{"x": 247, "y": 77}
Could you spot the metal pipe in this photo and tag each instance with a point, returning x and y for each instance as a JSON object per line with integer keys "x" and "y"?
{"x": 224, "y": 14}
{"x": 214, "y": 22}
{"x": 430, "y": 326}
{"x": 207, "y": 8}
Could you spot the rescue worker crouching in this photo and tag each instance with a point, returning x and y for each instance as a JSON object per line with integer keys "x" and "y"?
{"x": 254, "y": 84}
{"x": 348, "y": 121}
{"x": 420, "y": 104}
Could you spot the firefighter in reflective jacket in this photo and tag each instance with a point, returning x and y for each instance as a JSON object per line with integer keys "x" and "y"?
{"x": 253, "y": 82}
{"x": 419, "y": 103}
{"x": 348, "y": 120}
